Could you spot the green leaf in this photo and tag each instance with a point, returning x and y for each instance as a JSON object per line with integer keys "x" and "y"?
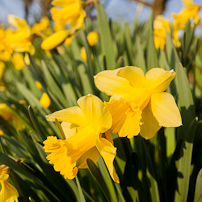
{"x": 105, "y": 37}
{"x": 37, "y": 124}
{"x": 187, "y": 40}
{"x": 56, "y": 181}
{"x": 98, "y": 176}
{"x": 17, "y": 168}
{"x": 81, "y": 196}
{"x": 139, "y": 56}
{"x": 151, "y": 173}
{"x": 32, "y": 99}
{"x": 184, "y": 164}
{"x": 66, "y": 79}
{"x": 120, "y": 195}
{"x": 184, "y": 95}
{"x": 86, "y": 80}
{"x": 128, "y": 44}
{"x": 198, "y": 190}
{"x": 54, "y": 87}
{"x": 152, "y": 59}
{"x": 107, "y": 178}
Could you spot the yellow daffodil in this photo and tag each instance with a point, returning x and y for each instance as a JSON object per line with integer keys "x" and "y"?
{"x": 92, "y": 38}
{"x": 38, "y": 85}
{"x": 26, "y": 59}
{"x": 18, "y": 61}
{"x": 55, "y": 39}
{"x": 41, "y": 26}
{"x": 7, "y": 114}
{"x": 83, "y": 54}
{"x": 2, "y": 67}
{"x": 190, "y": 11}
{"x": 45, "y": 100}
{"x": 138, "y": 103}
{"x": 68, "y": 40}
{"x": 20, "y": 39}
{"x": 161, "y": 25}
{"x": 5, "y": 47}
{"x": 8, "y": 192}
{"x": 69, "y": 13}
{"x": 1, "y": 132}
{"x": 86, "y": 128}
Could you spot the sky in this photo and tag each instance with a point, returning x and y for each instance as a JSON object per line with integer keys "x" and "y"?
{"x": 115, "y": 9}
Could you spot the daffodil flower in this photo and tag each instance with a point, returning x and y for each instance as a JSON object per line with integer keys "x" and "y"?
{"x": 7, "y": 114}
{"x": 92, "y": 38}
{"x": 83, "y": 54}
{"x": 2, "y": 67}
{"x": 8, "y": 192}
{"x": 18, "y": 61}
{"x": 86, "y": 128}
{"x": 67, "y": 12}
{"x": 5, "y": 47}
{"x": 45, "y": 100}
{"x": 20, "y": 39}
{"x": 190, "y": 11}
{"x": 161, "y": 26}
{"x": 138, "y": 103}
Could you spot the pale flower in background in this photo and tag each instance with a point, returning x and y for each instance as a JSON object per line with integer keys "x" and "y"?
{"x": 83, "y": 54}
{"x": 92, "y": 38}
{"x": 68, "y": 15}
{"x": 45, "y": 100}
{"x": 190, "y": 11}
{"x": 161, "y": 27}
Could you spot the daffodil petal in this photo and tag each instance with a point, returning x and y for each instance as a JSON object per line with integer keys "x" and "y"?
{"x": 150, "y": 125}
{"x": 135, "y": 75}
{"x": 108, "y": 136}
{"x": 8, "y": 191}
{"x": 4, "y": 177}
{"x": 158, "y": 79}
{"x": 92, "y": 154}
{"x": 165, "y": 110}
{"x": 72, "y": 114}
{"x": 108, "y": 153}
{"x": 109, "y": 83}
{"x": 69, "y": 129}
{"x": 17, "y": 22}
{"x": 61, "y": 2}
{"x": 95, "y": 112}
{"x": 54, "y": 40}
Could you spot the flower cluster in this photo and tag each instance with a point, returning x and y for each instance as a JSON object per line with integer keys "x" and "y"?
{"x": 161, "y": 24}
{"x": 138, "y": 104}
{"x": 70, "y": 16}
